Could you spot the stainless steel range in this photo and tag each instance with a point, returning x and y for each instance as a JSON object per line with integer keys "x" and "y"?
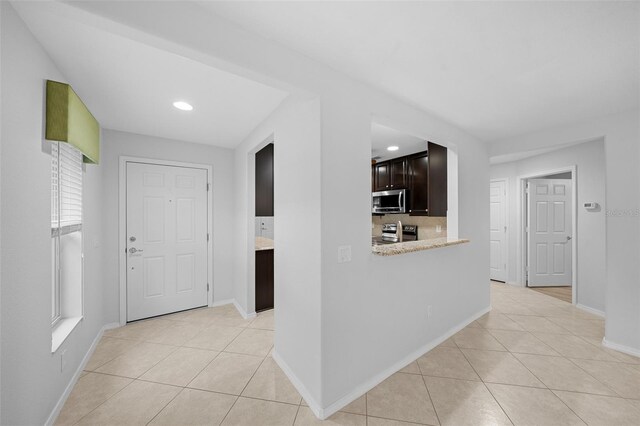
{"x": 390, "y": 234}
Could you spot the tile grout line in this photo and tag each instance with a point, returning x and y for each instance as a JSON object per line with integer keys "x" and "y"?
{"x": 435, "y": 411}
{"x": 243, "y": 389}
{"x": 103, "y": 402}
{"x": 592, "y": 376}
{"x": 394, "y": 420}
{"x": 485, "y": 384}
{"x": 166, "y": 405}
{"x": 133, "y": 380}
{"x": 296, "y": 416}
{"x": 245, "y": 386}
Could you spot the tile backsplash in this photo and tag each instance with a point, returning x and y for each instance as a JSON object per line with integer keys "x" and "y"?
{"x": 427, "y": 225}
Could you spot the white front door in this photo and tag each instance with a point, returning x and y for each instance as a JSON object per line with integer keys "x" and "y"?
{"x": 166, "y": 239}
{"x": 498, "y": 231}
{"x": 549, "y": 232}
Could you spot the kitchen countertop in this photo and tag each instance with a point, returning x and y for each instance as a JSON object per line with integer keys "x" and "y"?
{"x": 411, "y": 246}
{"x": 263, "y": 243}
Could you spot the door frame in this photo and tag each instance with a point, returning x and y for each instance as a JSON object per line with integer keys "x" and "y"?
{"x": 522, "y": 225}
{"x": 506, "y": 221}
{"x": 122, "y": 223}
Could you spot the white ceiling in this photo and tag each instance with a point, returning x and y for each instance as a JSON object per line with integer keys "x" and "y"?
{"x": 496, "y": 69}
{"x": 383, "y": 137}
{"x": 131, "y": 86}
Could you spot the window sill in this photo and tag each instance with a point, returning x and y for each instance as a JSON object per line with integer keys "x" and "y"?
{"x": 62, "y": 330}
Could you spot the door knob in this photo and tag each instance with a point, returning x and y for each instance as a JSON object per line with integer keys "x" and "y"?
{"x": 132, "y": 239}
{"x": 568, "y": 237}
{"x": 133, "y": 250}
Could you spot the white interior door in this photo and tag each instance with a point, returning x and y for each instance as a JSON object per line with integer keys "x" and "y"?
{"x": 549, "y": 232}
{"x": 498, "y": 231}
{"x": 166, "y": 239}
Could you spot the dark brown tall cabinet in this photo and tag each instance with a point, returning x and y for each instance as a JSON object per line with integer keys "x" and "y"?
{"x": 437, "y": 180}
{"x": 423, "y": 174}
{"x": 428, "y": 182}
{"x": 264, "y": 207}
{"x": 419, "y": 184}
{"x": 264, "y": 181}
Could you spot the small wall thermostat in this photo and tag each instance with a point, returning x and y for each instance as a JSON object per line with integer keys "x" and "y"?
{"x": 591, "y": 206}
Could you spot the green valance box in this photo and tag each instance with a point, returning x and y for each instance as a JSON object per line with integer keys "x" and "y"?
{"x": 69, "y": 120}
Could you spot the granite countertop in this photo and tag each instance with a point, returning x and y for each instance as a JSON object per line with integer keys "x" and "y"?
{"x": 411, "y": 246}
{"x": 263, "y": 243}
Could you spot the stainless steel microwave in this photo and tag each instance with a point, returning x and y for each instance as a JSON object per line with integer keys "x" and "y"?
{"x": 389, "y": 202}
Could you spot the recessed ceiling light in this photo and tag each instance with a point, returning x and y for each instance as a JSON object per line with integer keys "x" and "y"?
{"x": 392, "y": 148}
{"x": 182, "y": 106}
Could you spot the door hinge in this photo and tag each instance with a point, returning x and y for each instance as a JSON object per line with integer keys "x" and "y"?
{"x": 207, "y": 236}
{"x": 207, "y": 286}
{"x": 208, "y": 185}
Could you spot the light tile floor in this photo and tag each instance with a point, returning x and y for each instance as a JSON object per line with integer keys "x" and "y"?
{"x": 533, "y": 360}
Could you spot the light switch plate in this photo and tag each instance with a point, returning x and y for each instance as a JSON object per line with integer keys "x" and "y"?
{"x": 344, "y": 254}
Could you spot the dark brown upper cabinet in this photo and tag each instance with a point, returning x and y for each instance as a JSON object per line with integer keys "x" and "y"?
{"x": 382, "y": 176}
{"x": 398, "y": 173}
{"x": 390, "y": 174}
{"x": 424, "y": 174}
{"x": 264, "y": 181}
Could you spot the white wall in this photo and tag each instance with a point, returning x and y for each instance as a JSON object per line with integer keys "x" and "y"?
{"x": 621, "y": 135}
{"x": 32, "y": 381}
{"x": 374, "y": 309}
{"x": 1, "y": 137}
{"x": 295, "y": 127}
{"x": 589, "y": 159}
{"x": 116, "y": 144}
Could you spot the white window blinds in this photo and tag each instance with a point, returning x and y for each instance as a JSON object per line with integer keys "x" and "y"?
{"x": 66, "y": 188}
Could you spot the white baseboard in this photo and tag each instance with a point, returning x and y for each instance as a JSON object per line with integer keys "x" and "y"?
{"x": 590, "y": 310}
{"x": 621, "y": 348}
{"x": 74, "y": 379}
{"x": 239, "y": 308}
{"x": 222, "y": 303}
{"x": 300, "y": 387}
{"x": 244, "y": 313}
{"x": 324, "y": 413}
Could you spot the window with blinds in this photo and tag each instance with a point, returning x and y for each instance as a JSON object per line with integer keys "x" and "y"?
{"x": 66, "y": 189}
{"x": 66, "y": 227}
